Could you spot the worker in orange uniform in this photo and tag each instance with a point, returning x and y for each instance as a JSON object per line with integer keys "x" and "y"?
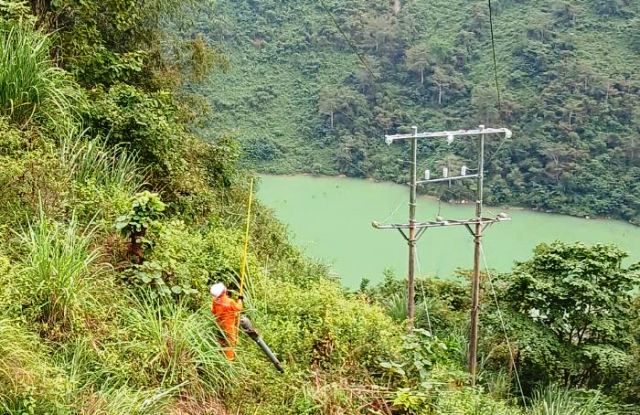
{"x": 226, "y": 311}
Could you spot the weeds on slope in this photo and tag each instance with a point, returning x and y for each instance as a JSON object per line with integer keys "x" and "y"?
{"x": 176, "y": 345}
{"x": 111, "y": 167}
{"x": 31, "y": 87}
{"x": 556, "y": 400}
{"x": 58, "y": 275}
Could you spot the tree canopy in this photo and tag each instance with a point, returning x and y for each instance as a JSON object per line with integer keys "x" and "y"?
{"x": 566, "y": 72}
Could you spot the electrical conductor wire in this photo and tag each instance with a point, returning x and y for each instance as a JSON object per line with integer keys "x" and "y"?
{"x": 426, "y": 307}
{"x": 347, "y": 39}
{"x": 504, "y": 328}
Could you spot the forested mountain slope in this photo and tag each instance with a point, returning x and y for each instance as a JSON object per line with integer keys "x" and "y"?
{"x": 301, "y": 100}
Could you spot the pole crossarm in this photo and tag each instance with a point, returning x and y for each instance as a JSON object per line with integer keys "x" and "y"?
{"x": 441, "y": 223}
{"x": 447, "y": 179}
{"x": 449, "y": 134}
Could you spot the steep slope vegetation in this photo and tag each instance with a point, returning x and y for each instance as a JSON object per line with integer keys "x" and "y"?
{"x": 115, "y": 218}
{"x": 301, "y": 100}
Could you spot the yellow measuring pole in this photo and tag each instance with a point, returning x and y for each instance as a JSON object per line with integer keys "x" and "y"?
{"x": 243, "y": 266}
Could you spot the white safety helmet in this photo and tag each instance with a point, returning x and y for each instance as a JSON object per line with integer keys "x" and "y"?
{"x": 217, "y": 290}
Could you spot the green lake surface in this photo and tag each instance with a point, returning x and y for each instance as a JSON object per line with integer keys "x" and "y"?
{"x": 330, "y": 219}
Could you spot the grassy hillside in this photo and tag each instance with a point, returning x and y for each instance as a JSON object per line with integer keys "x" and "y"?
{"x": 567, "y": 72}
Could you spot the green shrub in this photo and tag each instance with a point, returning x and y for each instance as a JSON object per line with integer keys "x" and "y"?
{"x": 628, "y": 387}
{"x": 179, "y": 264}
{"x": 468, "y": 401}
{"x": 101, "y": 205}
{"x": 146, "y": 125}
{"x": 442, "y": 395}
{"x": 145, "y": 210}
{"x": 219, "y": 161}
{"x": 31, "y": 175}
{"x": 320, "y": 326}
{"x": 182, "y": 261}
{"x": 580, "y": 297}
{"x": 439, "y": 303}
{"x": 421, "y": 352}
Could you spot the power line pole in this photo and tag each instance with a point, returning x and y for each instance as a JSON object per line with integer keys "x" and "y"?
{"x": 475, "y": 226}
{"x": 412, "y": 240}
{"x": 475, "y": 282}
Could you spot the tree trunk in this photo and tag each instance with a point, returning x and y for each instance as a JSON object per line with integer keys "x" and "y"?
{"x": 332, "y": 120}
{"x": 136, "y": 250}
{"x": 40, "y": 7}
{"x": 396, "y": 6}
{"x": 421, "y": 76}
{"x": 439, "y": 94}
{"x": 44, "y": 14}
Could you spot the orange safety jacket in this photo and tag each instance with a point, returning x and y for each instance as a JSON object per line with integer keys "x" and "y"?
{"x": 226, "y": 311}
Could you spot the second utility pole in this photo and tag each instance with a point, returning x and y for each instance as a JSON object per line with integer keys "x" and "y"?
{"x": 411, "y": 240}
{"x": 475, "y": 283}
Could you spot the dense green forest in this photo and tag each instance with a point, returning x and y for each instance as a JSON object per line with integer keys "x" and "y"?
{"x": 116, "y": 216}
{"x": 314, "y": 85}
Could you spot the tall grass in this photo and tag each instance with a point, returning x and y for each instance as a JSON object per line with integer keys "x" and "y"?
{"x": 110, "y": 167}
{"x": 110, "y": 400}
{"x": 177, "y": 345}
{"x": 555, "y": 400}
{"x": 18, "y": 357}
{"x": 103, "y": 376}
{"x": 26, "y": 377}
{"x": 396, "y": 306}
{"x": 32, "y": 88}
{"x": 58, "y": 272}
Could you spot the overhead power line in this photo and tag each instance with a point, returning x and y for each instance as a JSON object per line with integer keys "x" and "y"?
{"x": 348, "y": 39}
{"x": 495, "y": 61}
{"x": 504, "y": 328}
{"x": 362, "y": 59}
{"x": 495, "y": 76}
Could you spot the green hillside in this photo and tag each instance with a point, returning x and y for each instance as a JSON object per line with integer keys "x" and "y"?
{"x": 300, "y": 99}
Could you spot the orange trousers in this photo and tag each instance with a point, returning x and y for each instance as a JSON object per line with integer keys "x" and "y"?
{"x": 227, "y": 312}
{"x": 228, "y": 344}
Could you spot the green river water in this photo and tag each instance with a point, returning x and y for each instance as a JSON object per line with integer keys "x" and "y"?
{"x": 330, "y": 219}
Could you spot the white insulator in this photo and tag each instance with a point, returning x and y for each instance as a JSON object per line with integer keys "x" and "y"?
{"x": 427, "y": 174}
{"x": 463, "y": 171}
{"x": 445, "y": 172}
